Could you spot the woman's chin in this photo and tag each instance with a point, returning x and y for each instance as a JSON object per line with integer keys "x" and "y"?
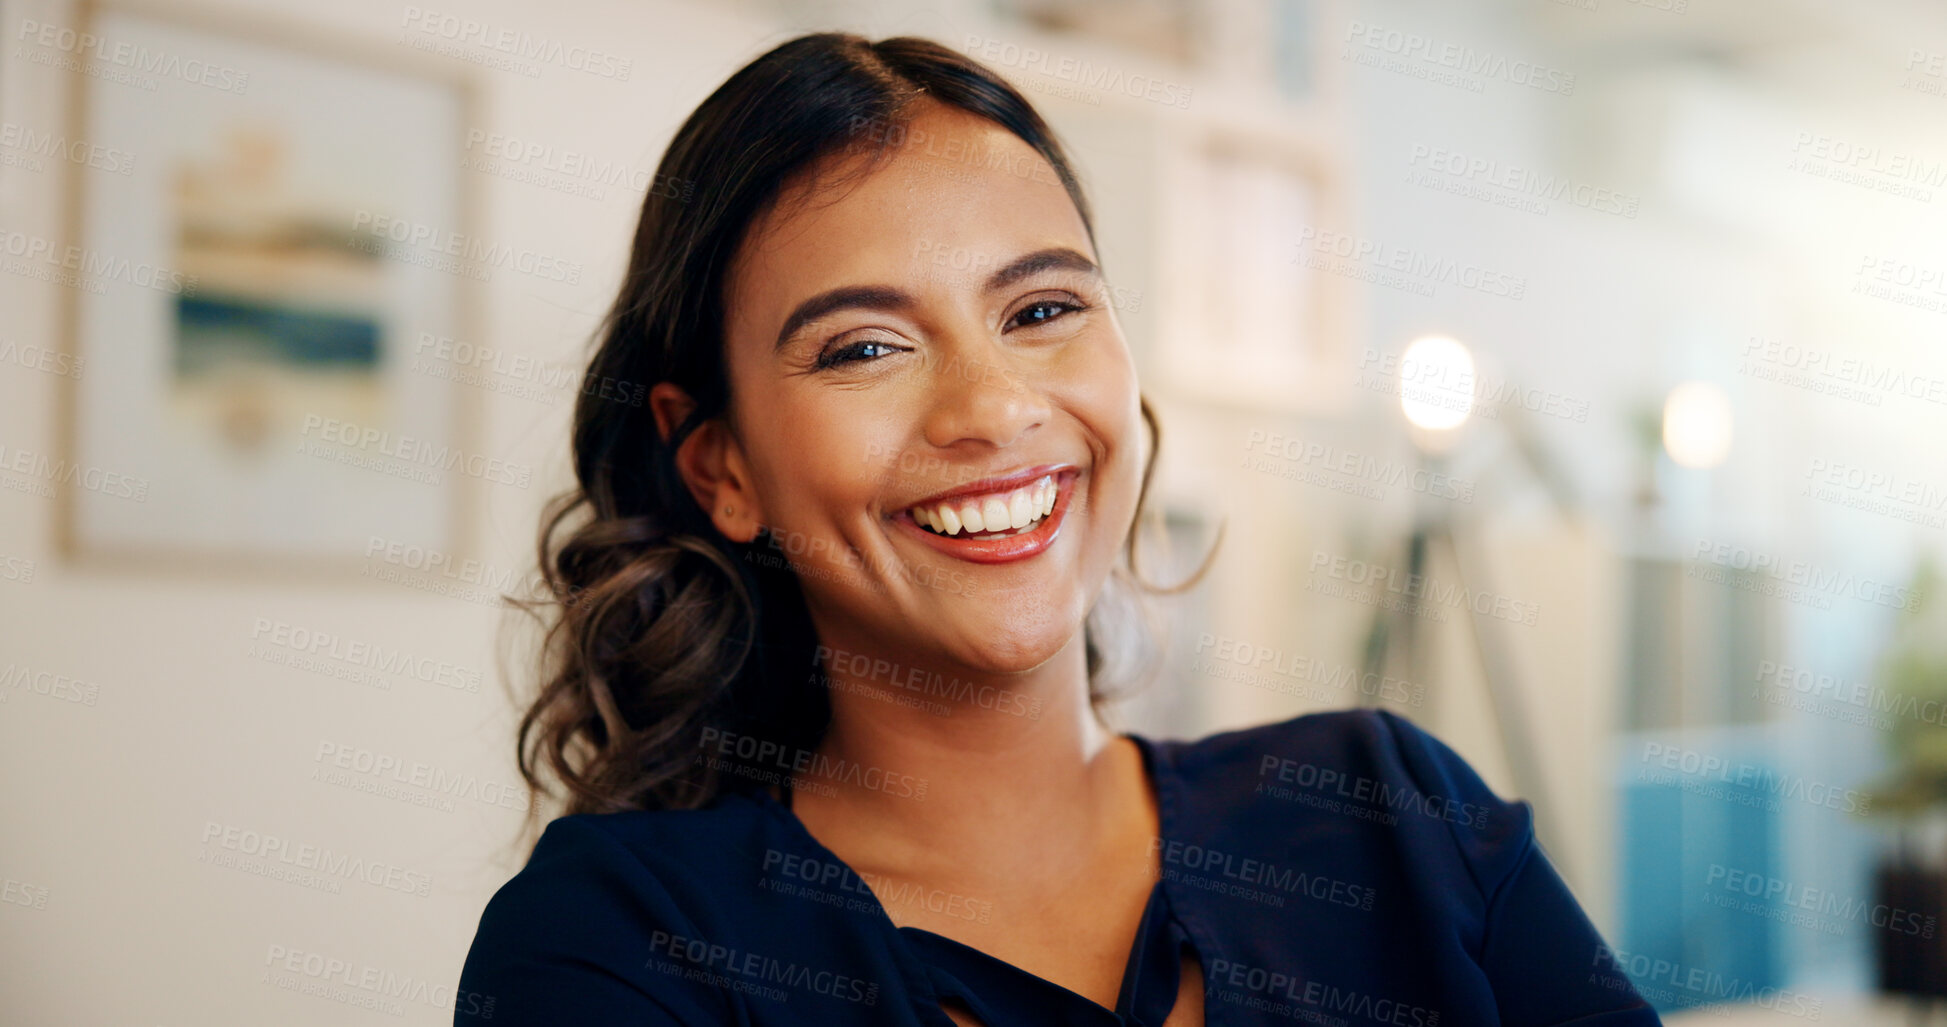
{"x": 998, "y": 649}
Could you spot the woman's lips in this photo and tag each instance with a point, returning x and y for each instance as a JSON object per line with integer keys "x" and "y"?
{"x": 998, "y": 511}
{"x": 994, "y": 548}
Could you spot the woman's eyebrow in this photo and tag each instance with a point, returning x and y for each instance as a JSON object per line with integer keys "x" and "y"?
{"x": 885, "y": 297}
{"x": 1051, "y": 259}
{"x": 864, "y": 297}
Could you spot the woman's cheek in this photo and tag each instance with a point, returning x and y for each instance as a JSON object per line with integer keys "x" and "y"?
{"x": 1105, "y": 388}
{"x": 836, "y": 448}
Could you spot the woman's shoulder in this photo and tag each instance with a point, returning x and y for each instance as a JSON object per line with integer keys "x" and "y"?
{"x": 1367, "y": 745}
{"x": 578, "y": 930}
{"x": 651, "y": 854}
{"x": 659, "y": 839}
{"x": 1365, "y": 776}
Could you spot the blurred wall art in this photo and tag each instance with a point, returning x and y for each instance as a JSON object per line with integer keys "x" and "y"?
{"x": 250, "y": 294}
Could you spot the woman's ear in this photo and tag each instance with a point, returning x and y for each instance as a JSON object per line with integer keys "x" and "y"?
{"x": 711, "y": 463}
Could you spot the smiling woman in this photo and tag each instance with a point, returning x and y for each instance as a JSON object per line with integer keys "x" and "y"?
{"x": 835, "y": 613}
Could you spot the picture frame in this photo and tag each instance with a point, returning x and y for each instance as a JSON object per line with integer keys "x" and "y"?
{"x": 1251, "y": 319}
{"x": 250, "y": 402}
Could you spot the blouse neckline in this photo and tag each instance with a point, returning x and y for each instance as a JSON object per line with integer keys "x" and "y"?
{"x": 1159, "y": 914}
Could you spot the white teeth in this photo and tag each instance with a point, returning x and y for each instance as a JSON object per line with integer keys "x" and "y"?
{"x": 1021, "y": 511}
{"x": 1012, "y": 511}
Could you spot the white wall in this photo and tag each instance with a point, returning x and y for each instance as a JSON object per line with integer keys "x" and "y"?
{"x": 108, "y": 804}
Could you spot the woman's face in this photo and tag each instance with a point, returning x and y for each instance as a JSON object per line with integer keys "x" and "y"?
{"x": 917, "y": 353}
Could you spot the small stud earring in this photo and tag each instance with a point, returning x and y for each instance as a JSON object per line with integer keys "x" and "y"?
{"x": 726, "y": 511}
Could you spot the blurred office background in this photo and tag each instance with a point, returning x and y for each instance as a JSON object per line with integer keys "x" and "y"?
{"x": 1565, "y": 375}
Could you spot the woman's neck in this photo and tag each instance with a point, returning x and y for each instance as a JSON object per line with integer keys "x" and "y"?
{"x": 1012, "y": 774}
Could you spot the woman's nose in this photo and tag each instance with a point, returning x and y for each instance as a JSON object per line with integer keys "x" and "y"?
{"x": 979, "y": 394}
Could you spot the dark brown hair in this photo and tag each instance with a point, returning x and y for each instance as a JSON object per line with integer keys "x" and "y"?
{"x": 663, "y": 628}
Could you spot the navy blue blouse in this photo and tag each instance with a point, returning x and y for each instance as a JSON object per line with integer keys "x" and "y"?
{"x": 1338, "y": 868}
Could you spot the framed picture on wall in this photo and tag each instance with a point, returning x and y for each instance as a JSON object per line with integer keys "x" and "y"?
{"x": 247, "y": 305}
{"x": 1251, "y": 318}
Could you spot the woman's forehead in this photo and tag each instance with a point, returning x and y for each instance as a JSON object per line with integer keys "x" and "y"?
{"x": 952, "y": 191}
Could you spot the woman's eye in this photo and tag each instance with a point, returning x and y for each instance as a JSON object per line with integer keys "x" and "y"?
{"x": 1043, "y": 311}
{"x": 866, "y": 349}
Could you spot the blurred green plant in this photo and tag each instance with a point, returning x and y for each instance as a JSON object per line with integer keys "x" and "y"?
{"x": 1913, "y": 673}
